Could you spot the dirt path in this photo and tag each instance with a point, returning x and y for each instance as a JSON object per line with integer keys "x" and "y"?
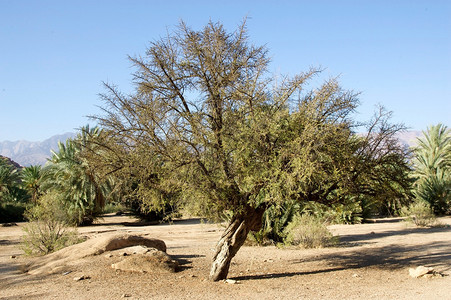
{"x": 371, "y": 263}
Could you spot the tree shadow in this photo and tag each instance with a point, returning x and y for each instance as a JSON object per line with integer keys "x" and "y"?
{"x": 363, "y": 238}
{"x": 392, "y": 257}
{"x": 285, "y": 274}
{"x": 184, "y": 261}
{"x": 435, "y": 254}
{"x": 138, "y": 222}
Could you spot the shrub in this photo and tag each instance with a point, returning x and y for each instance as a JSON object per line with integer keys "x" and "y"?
{"x": 49, "y": 228}
{"x": 307, "y": 231}
{"x": 114, "y": 208}
{"x": 420, "y": 213}
{"x": 46, "y": 236}
{"x": 12, "y": 212}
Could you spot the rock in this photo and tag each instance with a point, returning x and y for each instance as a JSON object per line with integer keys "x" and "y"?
{"x": 231, "y": 281}
{"x": 126, "y": 296}
{"x": 82, "y": 277}
{"x": 151, "y": 262}
{"x": 13, "y": 256}
{"x": 54, "y": 262}
{"x": 136, "y": 250}
{"x": 420, "y": 271}
{"x": 120, "y": 241}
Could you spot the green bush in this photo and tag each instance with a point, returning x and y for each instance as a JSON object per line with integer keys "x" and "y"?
{"x": 49, "y": 227}
{"x": 308, "y": 231}
{"x": 46, "y": 236}
{"x": 12, "y": 212}
{"x": 114, "y": 208}
{"x": 420, "y": 213}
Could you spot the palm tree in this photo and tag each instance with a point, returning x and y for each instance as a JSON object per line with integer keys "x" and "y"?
{"x": 432, "y": 163}
{"x": 31, "y": 177}
{"x": 9, "y": 180}
{"x": 71, "y": 176}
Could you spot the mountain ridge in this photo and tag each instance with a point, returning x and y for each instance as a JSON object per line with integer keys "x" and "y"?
{"x": 28, "y": 153}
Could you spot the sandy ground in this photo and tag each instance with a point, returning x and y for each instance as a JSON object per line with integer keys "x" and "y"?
{"x": 371, "y": 262}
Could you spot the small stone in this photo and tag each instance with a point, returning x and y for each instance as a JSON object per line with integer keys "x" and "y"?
{"x": 13, "y": 256}
{"x": 82, "y": 277}
{"x": 231, "y": 281}
{"x": 126, "y": 296}
{"x": 109, "y": 255}
{"x": 67, "y": 273}
{"x": 355, "y": 275}
{"x": 420, "y": 271}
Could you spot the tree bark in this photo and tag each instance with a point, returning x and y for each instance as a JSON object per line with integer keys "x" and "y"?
{"x": 232, "y": 239}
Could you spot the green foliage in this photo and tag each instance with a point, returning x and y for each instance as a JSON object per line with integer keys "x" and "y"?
{"x": 420, "y": 213}
{"x": 308, "y": 231}
{"x": 275, "y": 220}
{"x": 48, "y": 229}
{"x": 339, "y": 213}
{"x": 77, "y": 183}
{"x": 432, "y": 163}
{"x": 31, "y": 181}
{"x": 10, "y": 190}
{"x": 114, "y": 208}
{"x": 207, "y": 124}
{"x": 12, "y": 212}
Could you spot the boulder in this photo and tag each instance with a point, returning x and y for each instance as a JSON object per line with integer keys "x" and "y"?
{"x": 57, "y": 261}
{"x": 150, "y": 262}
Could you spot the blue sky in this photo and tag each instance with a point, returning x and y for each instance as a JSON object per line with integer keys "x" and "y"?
{"x": 54, "y": 55}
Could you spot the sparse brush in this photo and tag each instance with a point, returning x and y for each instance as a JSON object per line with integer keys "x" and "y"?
{"x": 46, "y": 236}
{"x": 48, "y": 229}
{"x": 420, "y": 214}
{"x": 307, "y": 231}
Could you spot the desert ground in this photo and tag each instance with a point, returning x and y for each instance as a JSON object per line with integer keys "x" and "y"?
{"x": 372, "y": 261}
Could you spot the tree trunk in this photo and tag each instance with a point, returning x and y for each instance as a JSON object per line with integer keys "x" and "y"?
{"x": 232, "y": 239}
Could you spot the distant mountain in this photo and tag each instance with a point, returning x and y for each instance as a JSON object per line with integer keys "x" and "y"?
{"x": 409, "y": 138}
{"x": 32, "y": 153}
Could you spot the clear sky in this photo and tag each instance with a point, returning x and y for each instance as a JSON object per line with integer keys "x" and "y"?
{"x": 54, "y": 55}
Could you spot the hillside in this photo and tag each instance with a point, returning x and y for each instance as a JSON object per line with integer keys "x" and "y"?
{"x": 28, "y": 153}
{"x": 10, "y": 162}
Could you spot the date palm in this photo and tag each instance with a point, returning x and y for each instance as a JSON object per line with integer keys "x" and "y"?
{"x": 31, "y": 181}
{"x": 9, "y": 180}
{"x": 432, "y": 163}
{"x": 70, "y": 175}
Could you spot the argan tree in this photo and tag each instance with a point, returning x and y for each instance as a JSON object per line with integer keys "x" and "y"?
{"x": 207, "y": 124}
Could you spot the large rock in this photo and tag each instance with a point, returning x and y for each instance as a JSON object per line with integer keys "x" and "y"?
{"x": 150, "y": 262}
{"x": 57, "y": 261}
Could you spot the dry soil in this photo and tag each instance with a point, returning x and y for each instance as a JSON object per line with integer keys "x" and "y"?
{"x": 371, "y": 262}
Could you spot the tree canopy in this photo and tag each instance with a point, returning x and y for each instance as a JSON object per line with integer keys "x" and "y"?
{"x": 207, "y": 124}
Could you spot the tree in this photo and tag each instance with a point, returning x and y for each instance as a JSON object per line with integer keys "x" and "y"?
{"x": 207, "y": 124}
{"x": 77, "y": 183}
{"x": 31, "y": 177}
{"x": 9, "y": 181}
{"x": 432, "y": 163}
